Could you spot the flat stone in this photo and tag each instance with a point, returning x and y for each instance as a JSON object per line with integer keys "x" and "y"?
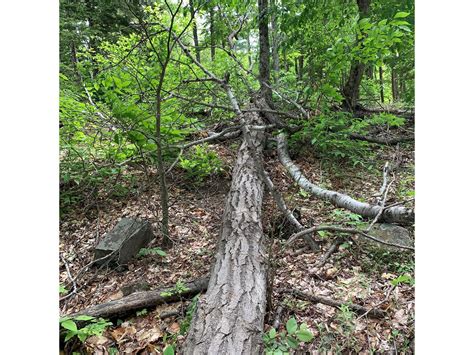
{"x": 390, "y": 233}
{"x": 126, "y": 239}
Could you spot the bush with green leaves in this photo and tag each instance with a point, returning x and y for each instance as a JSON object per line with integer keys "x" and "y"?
{"x": 94, "y": 326}
{"x": 281, "y": 343}
{"x": 200, "y": 163}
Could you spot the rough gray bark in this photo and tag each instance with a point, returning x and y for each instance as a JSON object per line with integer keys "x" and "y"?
{"x": 229, "y": 318}
{"x": 140, "y": 300}
{"x": 275, "y": 41}
{"x": 396, "y": 214}
{"x": 350, "y": 91}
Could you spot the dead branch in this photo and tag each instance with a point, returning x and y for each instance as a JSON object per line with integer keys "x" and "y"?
{"x": 363, "y": 233}
{"x": 144, "y": 299}
{"x": 400, "y": 215}
{"x": 374, "y": 313}
{"x": 386, "y": 141}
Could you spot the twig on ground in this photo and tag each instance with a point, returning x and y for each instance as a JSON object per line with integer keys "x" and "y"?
{"x": 276, "y": 321}
{"x": 374, "y": 313}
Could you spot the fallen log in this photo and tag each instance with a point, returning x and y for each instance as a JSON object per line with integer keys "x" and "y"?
{"x": 144, "y": 299}
{"x": 386, "y": 141}
{"x": 395, "y": 214}
{"x": 229, "y": 318}
{"x": 362, "y": 112}
{"x": 374, "y": 313}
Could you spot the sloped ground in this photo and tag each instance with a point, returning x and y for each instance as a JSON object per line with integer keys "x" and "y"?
{"x": 351, "y": 275}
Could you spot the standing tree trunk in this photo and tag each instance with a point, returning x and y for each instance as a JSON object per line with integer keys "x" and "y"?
{"x": 160, "y": 166}
{"x": 212, "y": 34}
{"x": 382, "y": 98}
{"x": 195, "y": 32}
{"x": 264, "y": 58}
{"x": 350, "y": 91}
{"x": 229, "y": 318}
{"x": 395, "y": 96}
{"x": 275, "y": 42}
{"x": 300, "y": 67}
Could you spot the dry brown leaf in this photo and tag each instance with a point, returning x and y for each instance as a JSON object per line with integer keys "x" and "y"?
{"x": 174, "y": 328}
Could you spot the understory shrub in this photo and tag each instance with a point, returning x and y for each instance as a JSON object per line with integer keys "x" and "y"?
{"x": 200, "y": 163}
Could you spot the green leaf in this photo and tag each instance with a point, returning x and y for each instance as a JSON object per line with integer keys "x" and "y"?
{"x": 304, "y": 335}
{"x": 169, "y": 350}
{"x": 83, "y": 317}
{"x": 82, "y": 336}
{"x": 272, "y": 333}
{"x": 69, "y": 335}
{"x": 401, "y": 14}
{"x": 69, "y": 325}
{"x": 292, "y": 342}
{"x": 291, "y": 325}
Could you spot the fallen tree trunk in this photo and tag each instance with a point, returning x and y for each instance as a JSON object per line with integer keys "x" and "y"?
{"x": 386, "y": 141}
{"x": 396, "y": 214}
{"x": 140, "y": 300}
{"x": 229, "y": 318}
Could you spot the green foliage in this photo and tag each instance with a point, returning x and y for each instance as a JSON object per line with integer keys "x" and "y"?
{"x": 95, "y": 326}
{"x": 282, "y": 342}
{"x": 143, "y": 312}
{"x": 151, "y": 251}
{"x": 186, "y": 323}
{"x": 327, "y": 133}
{"x": 406, "y": 278}
{"x": 178, "y": 289}
{"x": 62, "y": 290}
{"x": 168, "y": 350}
{"x": 348, "y": 217}
{"x": 200, "y": 163}
{"x": 380, "y": 261}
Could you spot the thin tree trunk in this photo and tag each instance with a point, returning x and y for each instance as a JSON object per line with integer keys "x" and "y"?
{"x": 300, "y": 67}
{"x": 394, "y": 85}
{"x": 161, "y": 175}
{"x": 382, "y": 98}
{"x": 264, "y": 53}
{"x": 195, "y": 32}
{"x": 275, "y": 42}
{"x": 213, "y": 34}
{"x": 229, "y": 318}
{"x": 249, "y": 48}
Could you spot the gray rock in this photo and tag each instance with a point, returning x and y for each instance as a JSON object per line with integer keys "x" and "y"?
{"x": 125, "y": 240}
{"x": 389, "y": 233}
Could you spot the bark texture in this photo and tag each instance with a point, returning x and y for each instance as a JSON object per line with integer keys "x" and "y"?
{"x": 350, "y": 91}
{"x": 229, "y": 318}
{"x": 396, "y": 214}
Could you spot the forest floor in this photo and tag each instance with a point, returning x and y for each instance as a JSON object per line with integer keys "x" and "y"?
{"x": 353, "y": 274}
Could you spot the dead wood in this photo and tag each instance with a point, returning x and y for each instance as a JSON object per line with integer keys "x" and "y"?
{"x": 374, "y": 313}
{"x": 396, "y": 214}
{"x": 386, "y": 141}
{"x": 144, "y": 299}
{"x": 230, "y": 316}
